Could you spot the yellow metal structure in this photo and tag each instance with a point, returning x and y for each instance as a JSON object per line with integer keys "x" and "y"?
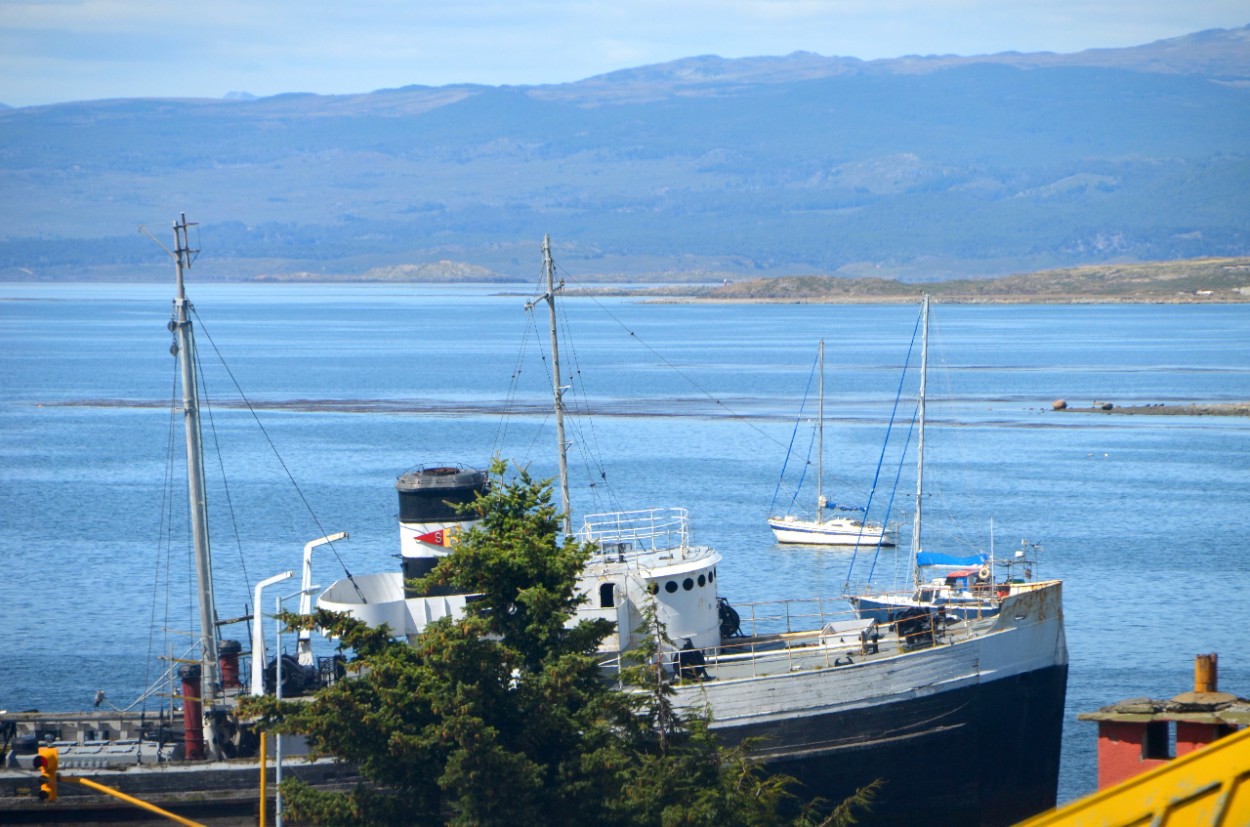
{"x": 46, "y": 761}
{"x": 152, "y": 808}
{"x": 1209, "y": 787}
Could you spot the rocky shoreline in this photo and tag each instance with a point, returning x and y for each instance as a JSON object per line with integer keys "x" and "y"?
{"x": 1160, "y": 409}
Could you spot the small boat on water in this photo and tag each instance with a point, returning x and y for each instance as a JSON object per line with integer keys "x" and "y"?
{"x": 823, "y": 529}
{"x": 970, "y": 586}
{"x": 962, "y": 721}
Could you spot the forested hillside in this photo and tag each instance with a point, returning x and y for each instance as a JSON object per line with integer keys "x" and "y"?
{"x": 917, "y": 169}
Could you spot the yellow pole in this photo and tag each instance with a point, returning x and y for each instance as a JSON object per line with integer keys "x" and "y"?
{"x": 264, "y": 755}
{"x": 87, "y": 782}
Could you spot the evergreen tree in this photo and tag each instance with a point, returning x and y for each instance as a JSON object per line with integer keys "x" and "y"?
{"x": 503, "y": 716}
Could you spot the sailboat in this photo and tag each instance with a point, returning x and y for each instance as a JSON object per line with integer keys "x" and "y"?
{"x": 826, "y": 530}
{"x": 835, "y": 700}
{"x": 967, "y": 589}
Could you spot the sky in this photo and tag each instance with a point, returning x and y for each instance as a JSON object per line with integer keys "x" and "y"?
{"x": 53, "y": 51}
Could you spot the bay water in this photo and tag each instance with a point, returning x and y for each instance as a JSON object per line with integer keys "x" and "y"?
{"x": 1145, "y": 518}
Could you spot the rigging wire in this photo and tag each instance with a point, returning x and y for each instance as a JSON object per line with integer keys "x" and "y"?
{"x": 790, "y": 448}
{"x": 590, "y": 451}
{"x": 277, "y": 455}
{"x": 510, "y": 399}
{"x": 584, "y": 437}
{"x": 956, "y": 529}
{"x": 165, "y": 535}
{"x": 700, "y": 388}
{"x": 206, "y": 405}
{"x": 898, "y": 395}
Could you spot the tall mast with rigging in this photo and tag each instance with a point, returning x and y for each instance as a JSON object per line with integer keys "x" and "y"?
{"x": 557, "y": 389}
{"x": 820, "y": 436}
{"x": 920, "y": 412}
{"x": 180, "y": 326}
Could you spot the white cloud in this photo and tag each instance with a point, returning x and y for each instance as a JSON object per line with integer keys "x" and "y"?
{"x": 55, "y": 50}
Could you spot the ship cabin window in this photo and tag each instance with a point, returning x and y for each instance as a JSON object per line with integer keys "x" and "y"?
{"x": 687, "y": 584}
{"x": 702, "y": 581}
{"x": 607, "y": 595}
{"x": 1158, "y": 741}
{"x": 925, "y": 596}
{"x": 670, "y": 586}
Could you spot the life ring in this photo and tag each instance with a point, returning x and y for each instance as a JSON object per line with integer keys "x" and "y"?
{"x": 984, "y": 573}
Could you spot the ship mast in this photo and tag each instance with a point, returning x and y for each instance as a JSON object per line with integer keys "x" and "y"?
{"x": 557, "y": 390}
{"x": 920, "y": 411}
{"x": 820, "y": 437}
{"x": 181, "y": 327}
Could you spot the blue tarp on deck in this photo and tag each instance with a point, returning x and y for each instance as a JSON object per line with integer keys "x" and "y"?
{"x": 933, "y": 558}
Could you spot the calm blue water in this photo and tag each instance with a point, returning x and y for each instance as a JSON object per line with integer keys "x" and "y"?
{"x": 1145, "y": 518}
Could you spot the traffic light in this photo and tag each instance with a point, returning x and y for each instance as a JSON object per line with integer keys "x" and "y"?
{"x": 46, "y": 761}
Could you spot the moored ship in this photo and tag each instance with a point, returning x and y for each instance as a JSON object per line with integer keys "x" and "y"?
{"x": 959, "y": 718}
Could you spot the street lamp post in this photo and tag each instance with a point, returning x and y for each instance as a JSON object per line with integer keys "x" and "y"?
{"x": 303, "y": 648}
{"x": 258, "y": 633}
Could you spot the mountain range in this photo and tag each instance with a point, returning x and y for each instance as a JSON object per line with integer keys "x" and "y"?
{"x": 920, "y": 168}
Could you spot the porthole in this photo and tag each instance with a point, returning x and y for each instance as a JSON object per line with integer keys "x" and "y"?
{"x": 687, "y": 584}
{"x": 702, "y": 581}
{"x": 670, "y": 586}
{"x": 711, "y": 575}
{"x": 653, "y": 587}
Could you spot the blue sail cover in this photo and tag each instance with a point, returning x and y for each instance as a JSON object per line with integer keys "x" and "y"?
{"x": 933, "y": 558}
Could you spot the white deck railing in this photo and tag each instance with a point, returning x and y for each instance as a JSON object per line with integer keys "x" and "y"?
{"x": 632, "y": 532}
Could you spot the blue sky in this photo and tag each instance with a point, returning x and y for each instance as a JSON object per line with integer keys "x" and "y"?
{"x": 63, "y": 50}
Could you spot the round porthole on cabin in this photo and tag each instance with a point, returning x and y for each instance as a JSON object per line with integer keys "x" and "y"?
{"x": 711, "y": 575}
{"x": 687, "y": 584}
{"x": 702, "y": 581}
{"x": 653, "y": 587}
{"x": 670, "y": 586}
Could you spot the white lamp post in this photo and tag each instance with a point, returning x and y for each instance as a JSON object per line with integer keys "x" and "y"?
{"x": 304, "y": 648}
{"x": 258, "y": 633}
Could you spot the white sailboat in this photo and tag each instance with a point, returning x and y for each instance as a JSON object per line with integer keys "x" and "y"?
{"x": 826, "y": 530}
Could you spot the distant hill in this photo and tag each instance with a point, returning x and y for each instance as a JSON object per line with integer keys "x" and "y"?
{"x": 922, "y": 168}
{"x": 1179, "y": 282}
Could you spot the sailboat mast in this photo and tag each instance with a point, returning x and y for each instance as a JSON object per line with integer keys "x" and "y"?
{"x": 920, "y": 411}
{"x": 195, "y": 465}
{"x": 557, "y": 391}
{"x": 820, "y": 435}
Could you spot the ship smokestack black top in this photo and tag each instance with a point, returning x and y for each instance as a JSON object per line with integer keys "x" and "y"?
{"x": 432, "y": 493}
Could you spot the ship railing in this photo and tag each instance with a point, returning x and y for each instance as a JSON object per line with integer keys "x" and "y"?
{"x": 796, "y": 635}
{"x": 779, "y": 617}
{"x": 623, "y": 533}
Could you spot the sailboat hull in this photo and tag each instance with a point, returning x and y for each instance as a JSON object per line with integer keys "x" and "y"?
{"x": 839, "y": 531}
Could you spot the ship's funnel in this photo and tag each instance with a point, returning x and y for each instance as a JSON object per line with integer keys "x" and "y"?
{"x": 430, "y": 515}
